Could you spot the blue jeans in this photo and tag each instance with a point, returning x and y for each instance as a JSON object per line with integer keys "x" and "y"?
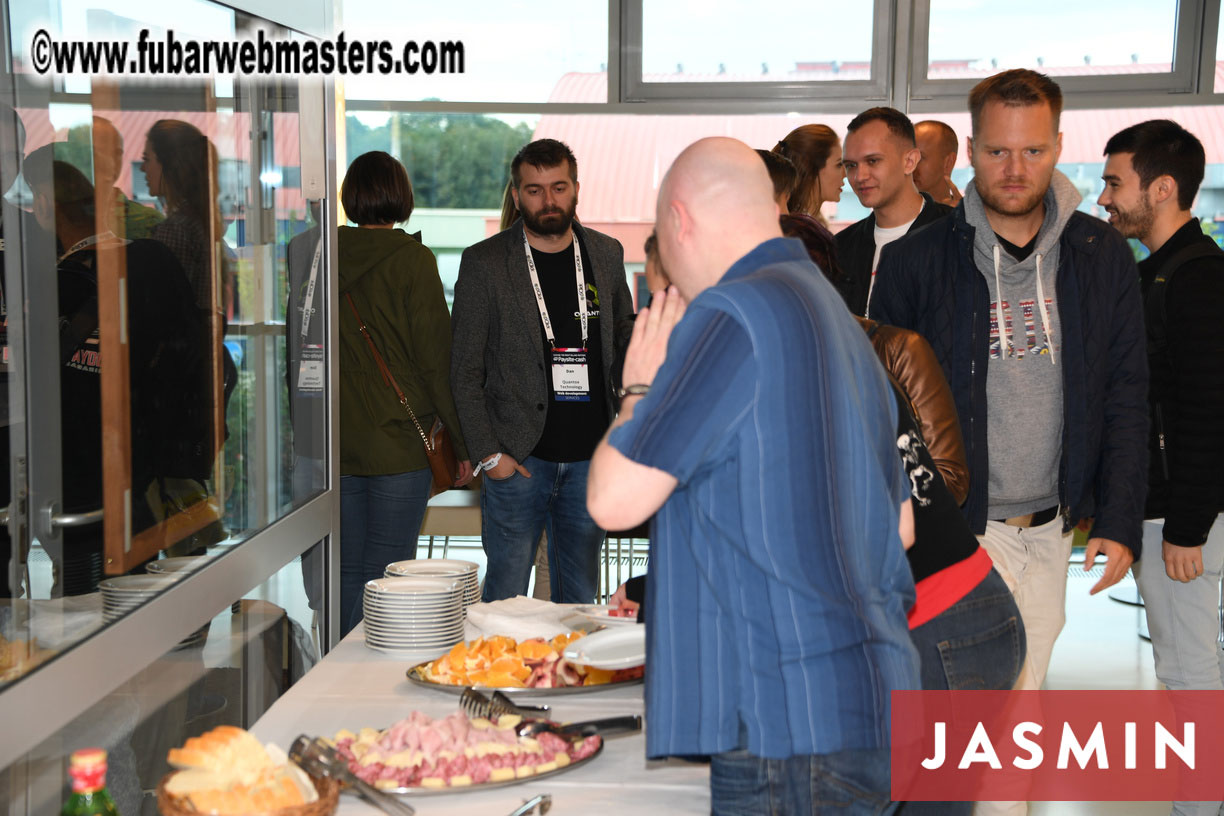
{"x": 380, "y": 519}
{"x": 515, "y": 510}
{"x": 977, "y": 643}
{"x": 855, "y": 783}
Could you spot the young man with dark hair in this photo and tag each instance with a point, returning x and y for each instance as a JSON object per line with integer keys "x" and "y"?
{"x": 879, "y": 156}
{"x": 1152, "y": 173}
{"x": 933, "y": 174}
{"x": 531, "y": 371}
{"x": 1033, "y": 310}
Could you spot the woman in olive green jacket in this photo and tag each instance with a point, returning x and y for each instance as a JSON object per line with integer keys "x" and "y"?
{"x": 393, "y": 281}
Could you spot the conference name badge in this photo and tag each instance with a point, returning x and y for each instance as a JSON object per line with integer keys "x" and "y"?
{"x": 571, "y": 376}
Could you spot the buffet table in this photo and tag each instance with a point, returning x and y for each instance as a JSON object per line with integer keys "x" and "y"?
{"x": 355, "y": 686}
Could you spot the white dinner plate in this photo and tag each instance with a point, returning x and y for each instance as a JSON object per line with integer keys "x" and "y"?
{"x": 414, "y": 654}
{"x": 416, "y": 585}
{"x": 138, "y": 584}
{"x": 434, "y": 566}
{"x": 395, "y": 625}
{"x": 611, "y": 649}
{"x": 182, "y": 563}
{"x": 439, "y": 643}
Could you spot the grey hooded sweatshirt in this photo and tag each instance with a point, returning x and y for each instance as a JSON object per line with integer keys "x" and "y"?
{"x": 1024, "y": 387}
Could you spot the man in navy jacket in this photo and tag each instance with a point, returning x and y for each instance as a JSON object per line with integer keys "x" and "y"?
{"x": 1034, "y": 312}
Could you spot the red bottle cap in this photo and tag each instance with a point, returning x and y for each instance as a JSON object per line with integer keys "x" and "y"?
{"x": 88, "y": 770}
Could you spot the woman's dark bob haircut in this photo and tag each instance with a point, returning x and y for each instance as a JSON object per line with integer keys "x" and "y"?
{"x": 376, "y": 190}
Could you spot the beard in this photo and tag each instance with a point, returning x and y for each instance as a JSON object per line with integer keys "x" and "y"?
{"x": 553, "y": 221}
{"x": 1135, "y": 222}
{"x": 1009, "y": 205}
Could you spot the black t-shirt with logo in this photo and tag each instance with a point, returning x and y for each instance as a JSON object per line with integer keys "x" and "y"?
{"x": 571, "y": 429}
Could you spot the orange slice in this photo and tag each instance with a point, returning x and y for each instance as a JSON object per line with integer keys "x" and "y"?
{"x": 597, "y": 677}
{"x": 534, "y": 649}
{"x": 501, "y": 679}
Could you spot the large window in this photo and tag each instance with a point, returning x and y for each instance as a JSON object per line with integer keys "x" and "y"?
{"x": 511, "y": 52}
{"x": 729, "y": 49}
{"x": 1058, "y": 38}
{"x": 732, "y": 41}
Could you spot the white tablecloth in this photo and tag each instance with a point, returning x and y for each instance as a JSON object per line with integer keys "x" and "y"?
{"x": 355, "y": 687}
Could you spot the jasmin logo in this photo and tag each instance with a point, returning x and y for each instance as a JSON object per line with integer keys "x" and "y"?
{"x": 1057, "y": 745}
{"x": 980, "y": 748}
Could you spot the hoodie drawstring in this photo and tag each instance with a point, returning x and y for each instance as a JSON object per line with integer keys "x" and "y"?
{"x": 1005, "y": 343}
{"x": 1045, "y": 312}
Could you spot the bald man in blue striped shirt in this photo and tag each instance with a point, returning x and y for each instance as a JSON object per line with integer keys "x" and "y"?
{"x": 765, "y": 441}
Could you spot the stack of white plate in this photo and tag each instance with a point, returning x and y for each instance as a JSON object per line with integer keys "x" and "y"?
{"x": 466, "y": 571}
{"x": 413, "y": 613}
{"x": 182, "y": 564}
{"x": 126, "y": 592}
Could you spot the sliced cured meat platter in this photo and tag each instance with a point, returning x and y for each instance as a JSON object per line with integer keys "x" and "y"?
{"x": 422, "y": 756}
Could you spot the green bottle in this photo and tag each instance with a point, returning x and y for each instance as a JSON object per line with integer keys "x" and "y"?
{"x": 89, "y": 797}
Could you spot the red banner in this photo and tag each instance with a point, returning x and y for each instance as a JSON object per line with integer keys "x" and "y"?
{"x": 1058, "y": 745}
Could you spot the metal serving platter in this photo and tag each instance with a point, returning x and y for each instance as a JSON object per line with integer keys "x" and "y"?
{"x": 414, "y": 676}
{"x": 419, "y": 791}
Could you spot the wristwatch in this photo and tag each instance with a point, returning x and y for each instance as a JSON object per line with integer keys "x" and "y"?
{"x": 634, "y": 390}
{"x": 487, "y": 464}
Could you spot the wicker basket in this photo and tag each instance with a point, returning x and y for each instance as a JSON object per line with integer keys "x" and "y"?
{"x": 325, "y": 805}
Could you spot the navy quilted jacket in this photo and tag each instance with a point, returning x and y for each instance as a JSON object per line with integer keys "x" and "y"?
{"x": 927, "y": 282}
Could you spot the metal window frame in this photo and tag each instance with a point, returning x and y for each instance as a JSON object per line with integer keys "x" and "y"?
{"x": 831, "y": 94}
{"x": 1176, "y": 87}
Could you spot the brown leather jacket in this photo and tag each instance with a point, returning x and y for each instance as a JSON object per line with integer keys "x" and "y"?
{"x": 910, "y": 360}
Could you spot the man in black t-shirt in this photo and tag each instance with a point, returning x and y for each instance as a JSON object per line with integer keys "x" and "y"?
{"x": 531, "y": 371}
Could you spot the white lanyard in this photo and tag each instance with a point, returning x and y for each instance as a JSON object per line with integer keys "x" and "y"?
{"x": 539, "y": 293}
{"x": 307, "y": 308}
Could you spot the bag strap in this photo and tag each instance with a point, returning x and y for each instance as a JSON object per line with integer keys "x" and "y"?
{"x": 386, "y": 372}
{"x": 1157, "y": 312}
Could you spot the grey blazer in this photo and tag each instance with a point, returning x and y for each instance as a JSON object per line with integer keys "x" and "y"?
{"x": 498, "y": 371}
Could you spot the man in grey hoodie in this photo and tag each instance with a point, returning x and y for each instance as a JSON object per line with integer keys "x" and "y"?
{"x": 1034, "y": 312}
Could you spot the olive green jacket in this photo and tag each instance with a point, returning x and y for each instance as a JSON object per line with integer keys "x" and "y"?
{"x": 394, "y": 282}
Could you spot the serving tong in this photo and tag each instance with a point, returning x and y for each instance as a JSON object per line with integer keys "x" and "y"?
{"x": 543, "y": 802}
{"x": 318, "y": 758}
{"x": 475, "y": 704}
{"x": 535, "y": 718}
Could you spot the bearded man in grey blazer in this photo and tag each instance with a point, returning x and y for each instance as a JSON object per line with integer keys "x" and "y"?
{"x": 531, "y": 371}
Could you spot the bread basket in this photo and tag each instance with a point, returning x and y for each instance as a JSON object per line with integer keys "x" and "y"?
{"x": 329, "y": 794}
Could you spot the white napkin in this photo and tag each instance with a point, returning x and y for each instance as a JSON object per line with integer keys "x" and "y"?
{"x": 521, "y": 618}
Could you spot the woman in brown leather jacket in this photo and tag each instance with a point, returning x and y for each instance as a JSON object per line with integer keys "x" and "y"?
{"x": 964, "y": 622}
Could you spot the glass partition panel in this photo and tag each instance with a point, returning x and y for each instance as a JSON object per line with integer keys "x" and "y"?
{"x": 977, "y": 38}
{"x": 161, "y": 228}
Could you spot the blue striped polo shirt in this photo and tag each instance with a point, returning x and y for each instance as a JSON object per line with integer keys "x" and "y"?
{"x": 778, "y": 585}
